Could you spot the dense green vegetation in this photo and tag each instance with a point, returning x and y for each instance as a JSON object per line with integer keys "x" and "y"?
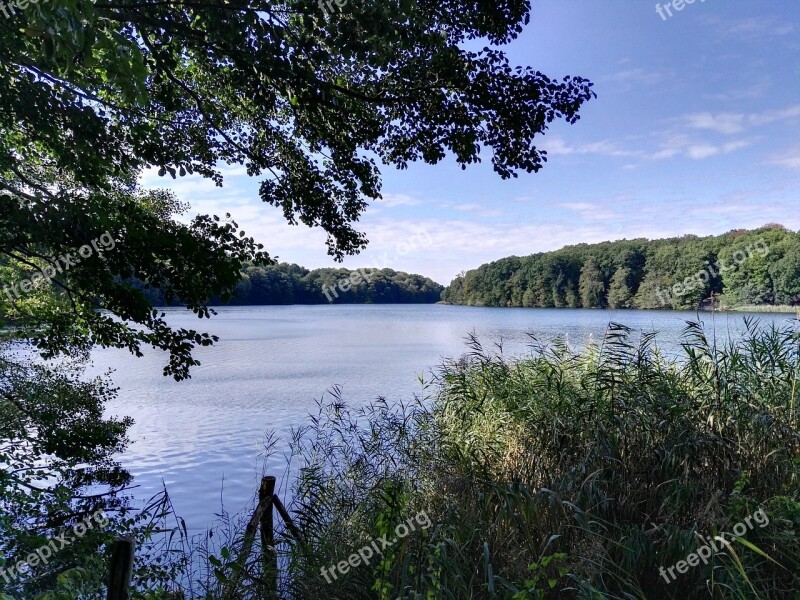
{"x": 758, "y": 267}
{"x": 291, "y": 284}
{"x": 307, "y": 99}
{"x": 564, "y": 475}
{"x": 586, "y": 475}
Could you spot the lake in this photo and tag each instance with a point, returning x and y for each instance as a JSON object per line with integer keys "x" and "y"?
{"x": 205, "y": 437}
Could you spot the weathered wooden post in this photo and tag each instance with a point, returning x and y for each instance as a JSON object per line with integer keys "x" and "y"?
{"x": 287, "y": 519}
{"x": 262, "y": 518}
{"x": 270, "y": 557}
{"x": 119, "y": 580}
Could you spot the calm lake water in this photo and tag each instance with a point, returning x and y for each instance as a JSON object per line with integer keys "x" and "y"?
{"x": 205, "y": 437}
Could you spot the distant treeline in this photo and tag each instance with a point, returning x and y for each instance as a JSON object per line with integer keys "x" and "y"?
{"x": 292, "y": 284}
{"x": 759, "y": 267}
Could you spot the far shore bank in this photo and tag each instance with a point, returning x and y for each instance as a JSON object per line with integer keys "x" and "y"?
{"x": 761, "y": 308}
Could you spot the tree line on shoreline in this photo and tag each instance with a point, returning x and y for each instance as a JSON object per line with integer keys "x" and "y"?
{"x": 741, "y": 268}
{"x": 284, "y": 284}
{"x": 758, "y": 267}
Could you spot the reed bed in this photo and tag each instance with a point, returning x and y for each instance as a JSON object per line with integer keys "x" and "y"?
{"x": 562, "y": 475}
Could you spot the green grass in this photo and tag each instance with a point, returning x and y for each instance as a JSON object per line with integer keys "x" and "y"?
{"x": 765, "y": 308}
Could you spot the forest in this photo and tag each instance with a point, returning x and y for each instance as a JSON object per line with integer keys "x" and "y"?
{"x": 286, "y": 283}
{"x": 759, "y": 267}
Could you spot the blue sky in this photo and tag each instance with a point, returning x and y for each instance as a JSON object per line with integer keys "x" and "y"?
{"x": 696, "y": 129}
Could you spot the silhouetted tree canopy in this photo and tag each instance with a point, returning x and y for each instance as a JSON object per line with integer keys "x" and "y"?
{"x": 309, "y": 98}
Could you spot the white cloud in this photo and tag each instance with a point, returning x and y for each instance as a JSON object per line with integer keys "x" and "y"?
{"x": 757, "y": 26}
{"x": 727, "y": 123}
{"x": 756, "y": 90}
{"x": 233, "y": 171}
{"x": 631, "y": 78}
{"x": 773, "y": 116}
{"x": 480, "y": 210}
{"x": 789, "y": 159}
{"x": 557, "y": 146}
{"x": 731, "y": 123}
{"x": 591, "y": 211}
{"x": 684, "y": 145}
{"x": 393, "y": 200}
{"x": 674, "y": 143}
{"x": 681, "y": 139}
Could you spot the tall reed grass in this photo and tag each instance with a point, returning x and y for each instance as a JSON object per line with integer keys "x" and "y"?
{"x": 563, "y": 475}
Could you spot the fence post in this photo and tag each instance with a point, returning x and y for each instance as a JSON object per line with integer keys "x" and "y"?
{"x": 119, "y": 580}
{"x": 287, "y": 519}
{"x": 270, "y": 557}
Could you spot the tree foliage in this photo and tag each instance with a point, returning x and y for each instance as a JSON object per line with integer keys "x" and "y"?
{"x": 620, "y": 292}
{"x": 591, "y": 285}
{"x": 308, "y": 99}
{"x": 57, "y": 453}
{"x": 745, "y": 267}
{"x": 292, "y": 284}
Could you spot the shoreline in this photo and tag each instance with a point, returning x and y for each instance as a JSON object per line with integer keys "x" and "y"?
{"x": 751, "y": 308}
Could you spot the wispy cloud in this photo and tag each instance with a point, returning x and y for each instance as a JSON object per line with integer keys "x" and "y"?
{"x": 689, "y": 146}
{"x": 757, "y": 26}
{"x": 557, "y": 146}
{"x": 727, "y": 123}
{"x": 480, "y": 210}
{"x": 393, "y": 200}
{"x": 632, "y": 78}
{"x": 790, "y": 159}
{"x": 591, "y": 211}
{"x": 732, "y": 123}
{"x": 753, "y": 91}
{"x": 192, "y": 188}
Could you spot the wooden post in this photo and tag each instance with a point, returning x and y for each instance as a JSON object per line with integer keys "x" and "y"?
{"x": 262, "y": 517}
{"x": 265, "y": 494}
{"x": 119, "y": 580}
{"x": 287, "y": 519}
